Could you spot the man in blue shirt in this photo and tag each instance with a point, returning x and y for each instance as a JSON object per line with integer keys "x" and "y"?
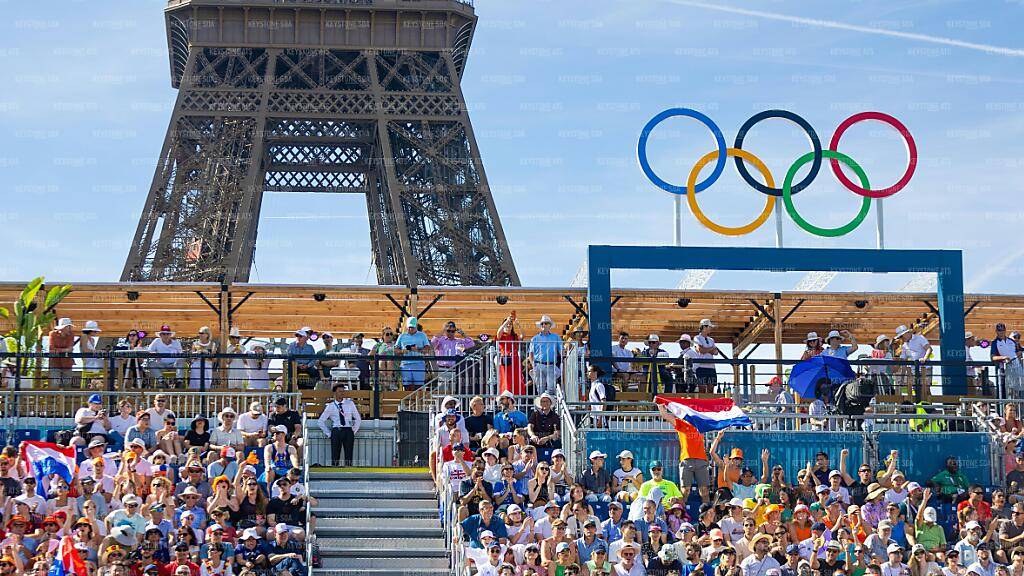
{"x": 412, "y": 344}
{"x": 544, "y": 355}
{"x": 302, "y": 347}
{"x": 611, "y": 529}
{"x": 477, "y": 524}
{"x": 509, "y": 418}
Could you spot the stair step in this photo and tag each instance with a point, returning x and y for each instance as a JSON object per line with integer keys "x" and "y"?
{"x": 437, "y": 565}
{"x": 397, "y": 529}
{"x": 369, "y": 523}
{"x": 315, "y": 475}
{"x": 379, "y": 503}
{"x": 380, "y": 571}
{"x": 392, "y": 488}
{"x": 331, "y": 545}
{"x": 380, "y": 492}
{"x": 404, "y": 552}
{"x": 363, "y": 512}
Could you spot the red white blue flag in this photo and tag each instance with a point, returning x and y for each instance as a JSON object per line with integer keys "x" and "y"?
{"x": 67, "y": 561}
{"x": 44, "y": 459}
{"x": 705, "y": 414}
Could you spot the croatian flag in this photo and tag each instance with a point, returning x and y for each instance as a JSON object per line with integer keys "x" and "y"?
{"x": 67, "y": 562}
{"x": 705, "y": 414}
{"x": 44, "y": 459}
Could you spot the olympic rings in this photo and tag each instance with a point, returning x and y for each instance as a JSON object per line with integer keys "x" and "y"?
{"x": 715, "y": 131}
{"x": 691, "y": 193}
{"x": 911, "y": 154}
{"x": 799, "y": 121}
{"x": 787, "y": 196}
{"x": 788, "y": 189}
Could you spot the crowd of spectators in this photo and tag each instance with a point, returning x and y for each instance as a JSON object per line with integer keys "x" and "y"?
{"x": 523, "y": 512}
{"x": 151, "y": 496}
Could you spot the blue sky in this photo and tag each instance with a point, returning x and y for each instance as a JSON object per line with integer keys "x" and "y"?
{"x": 558, "y": 93}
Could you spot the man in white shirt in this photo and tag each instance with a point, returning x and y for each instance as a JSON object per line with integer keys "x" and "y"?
{"x": 340, "y": 422}
{"x": 92, "y": 419}
{"x": 165, "y": 344}
{"x": 916, "y": 348}
{"x": 707, "y": 376}
{"x": 253, "y": 425}
{"x": 895, "y": 565}
{"x": 226, "y": 434}
{"x": 629, "y": 564}
{"x": 598, "y": 393}
{"x": 159, "y": 412}
{"x": 622, "y": 370}
{"x": 758, "y": 563}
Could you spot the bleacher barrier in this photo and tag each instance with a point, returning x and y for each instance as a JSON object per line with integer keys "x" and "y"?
{"x": 374, "y": 445}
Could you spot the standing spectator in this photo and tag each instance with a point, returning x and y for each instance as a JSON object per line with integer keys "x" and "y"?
{"x": 62, "y": 341}
{"x": 236, "y": 366}
{"x": 545, "y": 428}
{"x": 682, "y": 369}
{"x": 656, "y": 375}
{"x": 355, "y": 347}
{"x": 258, "y": 368}
{"x": 307, "y": 365}
{"x": 707, "y": 376}
{"x": 510, "y": 371}
{"x": 201, "y": 372}
{"x": 132, "y": 372}
{"x": 1006, "y": 354}
{"x": 253, "y": 425}
{"x": 92, "y": 367}
{"x": 545, "y": 356}
{"x": 812, "y": 346}
{"x": 412, "y": 345}
{"x": 882, "y": 374}
{"x": 327, "y": 357}
{"x": 452, "y": 343}
{"x": 385, "y": 346}
{"x": 622, "y": 371}
{"x": 915, "y": 348}
{"x": 165, "y": 344}
{"x": 836, "y": 348}
{"x": 598, "y": 394}
{"x": 340, "y": 422}
{"x": 693, "y": 458}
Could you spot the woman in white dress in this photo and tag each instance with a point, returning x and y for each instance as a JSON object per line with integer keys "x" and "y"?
{"x": 236, "y": 366}
{"x": 258, "y": 368}
{"x": 201, "y": 369}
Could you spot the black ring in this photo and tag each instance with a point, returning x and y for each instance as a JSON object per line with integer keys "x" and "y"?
{"x": 785, "y": 115}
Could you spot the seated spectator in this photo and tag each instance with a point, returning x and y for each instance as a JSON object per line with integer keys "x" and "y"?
{"x": 197, "y": 439}
{"x": 596, "y": 480}
{"x": 285, "y": 553}
{"x": 253, "y": 425}
{"x": 545, "y": 427}
{"x": 670, "y": 492}
{"x": 279, "y": 456}
{"x": 282, "y": 415}
{"x": 226, "y": 435}
{"x": 627, "y": 478}
{"x": 477, "y": 422}
{"x": 164, "y": 347}
{"x": 142, "y": 431}
{"x": 485, "y": 520}
{"x": 91, "y": 420}
{"x": 508, "y": 418}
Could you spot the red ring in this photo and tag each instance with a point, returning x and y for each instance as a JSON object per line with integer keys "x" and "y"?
{"x": 911, "y": 152}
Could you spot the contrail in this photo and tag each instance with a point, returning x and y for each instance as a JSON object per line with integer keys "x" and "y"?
{"x": 1001, "y": 50}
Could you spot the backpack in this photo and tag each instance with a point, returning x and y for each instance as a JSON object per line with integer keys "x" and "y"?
{"x": 609, "y": 392}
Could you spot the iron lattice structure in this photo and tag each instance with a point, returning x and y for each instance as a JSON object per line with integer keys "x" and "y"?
{"x": 331, "y": 96}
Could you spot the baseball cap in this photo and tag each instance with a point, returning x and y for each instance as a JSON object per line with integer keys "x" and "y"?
{"x": 833, "y": 545}
{"x": 562, "y": 547}
{"x": 597, "y": 454}
{"x": 227, "y": 452}
{"x": 614, "y": 504}
{"x": 95, "y": 399}
{"x": 590, "y": 522}
{"x": 486, "y": 534}
{"x": 557, "y": 452}
{"x": 686, "y": 527}
{"x": 973, "y": 525}
{"x": 885, "y": 524}
{"x": 834, "y": 473}
{"x": 491, "y": 452}
{"x": 821, "y": 489}
{"x": 625, "y": 454}
{"x": 792, "y": 549}
{"x": 893, "y": 548}
{"x": 818, "y": 527}
{"x": 513, "y": 509}
{"x": 655, "y": 464}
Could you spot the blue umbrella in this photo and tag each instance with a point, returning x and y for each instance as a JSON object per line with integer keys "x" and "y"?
{"x": 805, "y": 375}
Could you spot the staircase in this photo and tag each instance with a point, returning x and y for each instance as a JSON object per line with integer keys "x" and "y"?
{"x": 372, "y": 523}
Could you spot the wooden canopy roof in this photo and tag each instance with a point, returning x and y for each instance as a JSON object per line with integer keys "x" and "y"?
{"x": 742, "y": 318}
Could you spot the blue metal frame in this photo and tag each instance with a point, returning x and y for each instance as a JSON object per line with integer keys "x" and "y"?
{"x": 946, "y": 264}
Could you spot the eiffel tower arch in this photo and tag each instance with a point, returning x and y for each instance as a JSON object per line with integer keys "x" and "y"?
{"x": 327, "y": 96}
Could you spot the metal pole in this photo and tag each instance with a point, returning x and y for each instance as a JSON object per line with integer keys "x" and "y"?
{"x": 677, "y": 229}
{"x": 777, "y": 311}
{"x": 778, "y": 223}
{"x": 879, "y": 224}
{"x": 376, "y": 388}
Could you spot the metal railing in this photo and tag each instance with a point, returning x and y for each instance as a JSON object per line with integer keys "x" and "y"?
{"x": 310, "y": 533}
{"x": 470, "y": 376}
{"x": 749, "y": 380}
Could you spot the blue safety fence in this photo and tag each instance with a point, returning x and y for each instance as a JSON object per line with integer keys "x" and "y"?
{"x": 921, "y": 456}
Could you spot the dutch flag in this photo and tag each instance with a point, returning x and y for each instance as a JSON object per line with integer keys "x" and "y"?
{"x": 705, "y": 414}
{"x": 68, "y": 562}
{"x": 44, "y": 459}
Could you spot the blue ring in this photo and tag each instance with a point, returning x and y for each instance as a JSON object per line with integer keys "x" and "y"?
{"x": 641, "y": 150}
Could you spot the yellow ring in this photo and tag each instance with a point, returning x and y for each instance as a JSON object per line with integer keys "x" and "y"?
{"x": 691, "y": 194}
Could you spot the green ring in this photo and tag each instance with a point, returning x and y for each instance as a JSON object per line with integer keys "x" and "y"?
{"x": 787, "y": 195}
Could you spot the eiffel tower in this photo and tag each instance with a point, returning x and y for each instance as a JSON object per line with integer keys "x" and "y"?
{"x": 328, "y": 96}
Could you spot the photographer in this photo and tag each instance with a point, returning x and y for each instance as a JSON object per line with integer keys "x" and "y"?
{"x": 412, "y": 344}
{"x": 91, "y": 420}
